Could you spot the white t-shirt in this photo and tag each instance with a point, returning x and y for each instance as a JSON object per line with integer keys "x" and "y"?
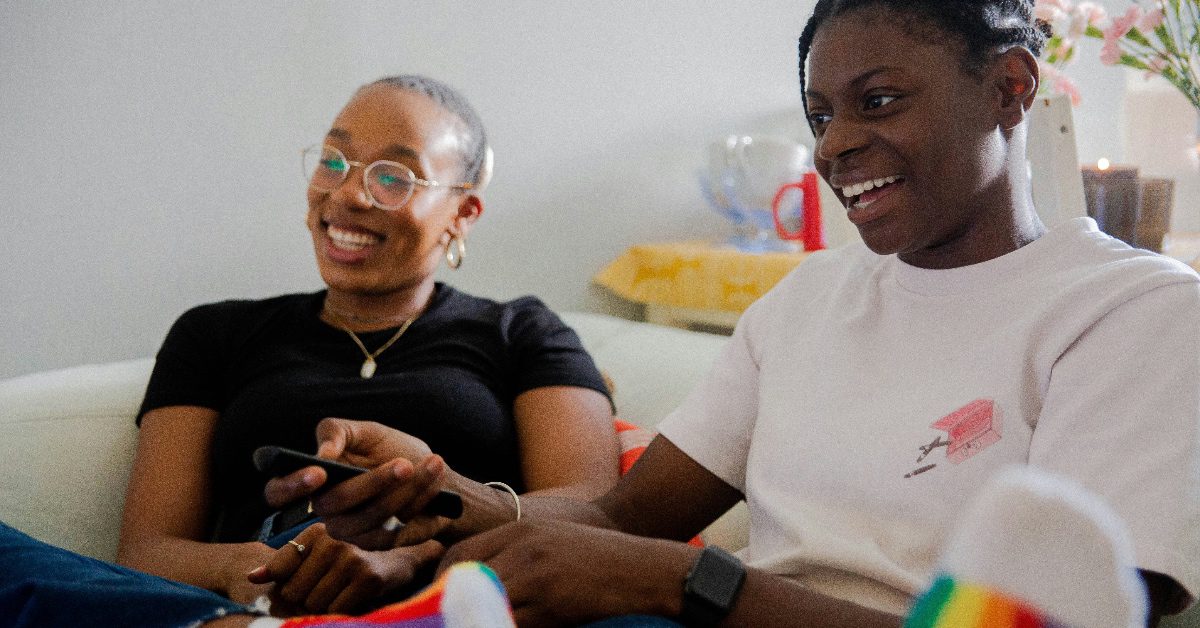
{"x": 862, "y": 402}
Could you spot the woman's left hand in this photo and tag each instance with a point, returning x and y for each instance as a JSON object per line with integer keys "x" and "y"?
{"x": 332, "y": 576}
{"x": 558, "y": 573}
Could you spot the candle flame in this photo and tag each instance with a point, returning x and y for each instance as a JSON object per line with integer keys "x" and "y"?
{"x": 1103, "y": 164}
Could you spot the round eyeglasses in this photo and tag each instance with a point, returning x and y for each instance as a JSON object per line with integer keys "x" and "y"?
{"x": 389, "y": 184}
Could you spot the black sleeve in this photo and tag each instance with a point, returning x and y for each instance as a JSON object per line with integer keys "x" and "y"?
{"x": 186, "y": 369}
{"x": 546, "y": 352}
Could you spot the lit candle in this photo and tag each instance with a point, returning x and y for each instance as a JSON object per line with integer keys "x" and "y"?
{"x": 1113, "y": 197}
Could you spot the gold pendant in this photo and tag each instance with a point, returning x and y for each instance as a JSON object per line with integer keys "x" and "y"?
{"x": 368, "y": 368}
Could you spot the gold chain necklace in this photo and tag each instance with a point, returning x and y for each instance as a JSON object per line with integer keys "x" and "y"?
{"x": 368, "y": 366}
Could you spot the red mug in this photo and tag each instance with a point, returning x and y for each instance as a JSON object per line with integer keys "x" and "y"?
{"x": 810, "y": 232}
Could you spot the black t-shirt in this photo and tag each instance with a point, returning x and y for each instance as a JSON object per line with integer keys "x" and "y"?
{"x": 273, "y": 369}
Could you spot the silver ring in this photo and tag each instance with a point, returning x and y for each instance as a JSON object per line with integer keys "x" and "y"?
{"x": 392, "y": 524}
{"x": 299, "y": 546}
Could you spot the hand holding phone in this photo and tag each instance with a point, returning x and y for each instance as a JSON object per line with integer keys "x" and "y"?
{"x": 280, "y": 461}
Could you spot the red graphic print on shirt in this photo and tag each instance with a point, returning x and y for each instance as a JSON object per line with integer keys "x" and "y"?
{"x": 972, "y": 428}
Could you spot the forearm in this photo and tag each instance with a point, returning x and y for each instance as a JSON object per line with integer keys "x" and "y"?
{"x": 768, "y": 600}
{"x": 212, "y": 566}
{"x": 168, "y": 504}
{"x": 546, "y": 564}
{"x": 486, "y": 507}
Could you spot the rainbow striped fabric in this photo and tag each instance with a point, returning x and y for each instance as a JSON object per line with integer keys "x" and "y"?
{"x": 423, "y": 610}
{"x": 952, "y": 604}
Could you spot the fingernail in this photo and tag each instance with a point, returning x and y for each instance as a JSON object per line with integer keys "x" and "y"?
{"x": 402, "y": 470}
{"x": 311, "y": 478}
{"x": 257, "y": 572}
{"x": 432, "y": 464}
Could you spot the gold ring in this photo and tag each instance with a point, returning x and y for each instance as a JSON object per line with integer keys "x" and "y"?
{"x": 299, "y": 546}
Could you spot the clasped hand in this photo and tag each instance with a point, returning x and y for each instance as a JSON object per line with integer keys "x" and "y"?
{"x": 331, "y": 576}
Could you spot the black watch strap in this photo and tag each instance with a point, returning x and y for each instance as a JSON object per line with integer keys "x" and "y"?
{"x": 711, "y": 587}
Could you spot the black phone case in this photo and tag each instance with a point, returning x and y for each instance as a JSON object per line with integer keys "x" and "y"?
{"x": 278, "y": 461}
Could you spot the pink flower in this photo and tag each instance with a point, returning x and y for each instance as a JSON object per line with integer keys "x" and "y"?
{"x": 1064, "y": 85}
{"x": 1122, "y": 25}
{"x": 1051, "y": 11}
{"x": 1155, "y": 67}
{"x": 1077, "y": 25}
{"x": 1110, "y": 54}
{"x": 1092, "y": 12}
{"x": 1061, "y": 51}
{"x": 1063, "y": 5}
{"x": 1059, "y": 83}
{"x": 1151, "y": 20}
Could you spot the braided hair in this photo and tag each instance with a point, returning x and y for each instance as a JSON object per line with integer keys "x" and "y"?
{"x": 977, "y": 27}
{"x": 475, "y": 156}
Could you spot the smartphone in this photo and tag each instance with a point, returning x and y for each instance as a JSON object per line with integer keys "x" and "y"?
{"x": 280, "y": 461}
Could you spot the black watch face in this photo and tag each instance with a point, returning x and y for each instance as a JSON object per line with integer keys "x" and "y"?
{"x": 713, "y": 585}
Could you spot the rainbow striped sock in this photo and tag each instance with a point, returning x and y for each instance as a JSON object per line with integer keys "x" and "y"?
{"x": 1034, "y": 549}
{"x": 467, "y": 594}
{"x": 949, "y": 603}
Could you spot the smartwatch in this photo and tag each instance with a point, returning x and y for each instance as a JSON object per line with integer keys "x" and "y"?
{"x": 711, "y": 587}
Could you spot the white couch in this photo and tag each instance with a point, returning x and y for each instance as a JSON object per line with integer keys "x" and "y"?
{"x": 67, "y": 436}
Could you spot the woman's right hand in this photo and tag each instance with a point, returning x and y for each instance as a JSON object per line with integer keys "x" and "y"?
{"x": 332, "y": 576}
{"x": 241, "y": 560}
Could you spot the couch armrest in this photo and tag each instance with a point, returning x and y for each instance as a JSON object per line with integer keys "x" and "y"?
{"x": 69, "y": 438}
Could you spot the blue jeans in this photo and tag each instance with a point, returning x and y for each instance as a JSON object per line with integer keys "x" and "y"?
{"x": 42, "y": 585}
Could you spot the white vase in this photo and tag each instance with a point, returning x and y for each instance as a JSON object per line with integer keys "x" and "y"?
{"x": 1053, "y": 160}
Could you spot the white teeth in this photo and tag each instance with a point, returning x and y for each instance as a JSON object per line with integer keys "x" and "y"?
{"x": 850, "y": 191}
{"x": 350, "y": 240}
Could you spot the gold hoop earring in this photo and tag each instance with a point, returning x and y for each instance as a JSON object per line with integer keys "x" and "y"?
{"x": 457, "y": 244}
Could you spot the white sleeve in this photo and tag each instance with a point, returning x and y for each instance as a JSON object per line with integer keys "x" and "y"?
{"x": 1122, "y": 416}
{"x": 714, "y": 423}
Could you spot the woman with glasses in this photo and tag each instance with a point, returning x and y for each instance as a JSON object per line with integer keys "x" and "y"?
{"x": 503, "y": 393}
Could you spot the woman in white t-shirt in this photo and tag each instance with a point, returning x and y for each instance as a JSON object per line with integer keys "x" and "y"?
{"x": 862, "y": 402}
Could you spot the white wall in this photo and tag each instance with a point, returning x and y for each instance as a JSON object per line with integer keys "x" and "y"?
{"x": 151, "y": 152}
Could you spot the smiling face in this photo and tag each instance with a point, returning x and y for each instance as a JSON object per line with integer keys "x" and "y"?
{"x": 364, "y": 250}
{"x": 909, "y": 140}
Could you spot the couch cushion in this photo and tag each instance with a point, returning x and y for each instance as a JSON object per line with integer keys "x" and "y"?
{"x": 68, "y": 444}
{"x": 652, "y": 367}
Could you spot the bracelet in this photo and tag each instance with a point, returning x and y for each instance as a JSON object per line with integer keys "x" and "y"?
{"x": 504, "y": 487}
